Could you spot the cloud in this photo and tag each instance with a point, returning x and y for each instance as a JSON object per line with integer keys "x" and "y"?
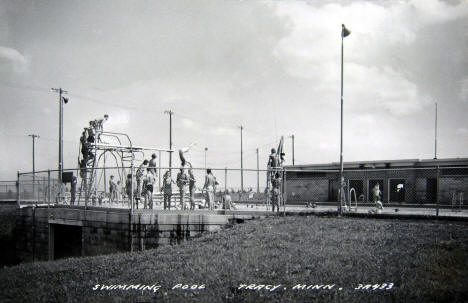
{"x": 14, "y": 57}
{"x": 188, "y": 123}
{"x": 224, "y": 131}
{"x": 464, "y": 90}
{"x": 118, "y": 120}
{"x": 373, "y": 87}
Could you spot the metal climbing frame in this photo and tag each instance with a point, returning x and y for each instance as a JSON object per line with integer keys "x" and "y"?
{"x": 109, "y": 144}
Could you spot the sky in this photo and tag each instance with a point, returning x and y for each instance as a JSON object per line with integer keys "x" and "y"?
{"x": 271, "y": 66}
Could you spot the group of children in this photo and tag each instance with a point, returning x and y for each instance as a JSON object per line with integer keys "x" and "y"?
{"x": 145, "y": 178}
{"x": 185, "y": 181}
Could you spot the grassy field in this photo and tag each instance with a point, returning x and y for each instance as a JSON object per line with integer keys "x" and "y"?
{"x": 425, "y": 261}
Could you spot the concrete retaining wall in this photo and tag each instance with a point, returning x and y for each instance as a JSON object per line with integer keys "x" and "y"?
{"x": 109, "y": 231}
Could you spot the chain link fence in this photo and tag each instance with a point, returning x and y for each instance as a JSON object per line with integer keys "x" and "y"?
{"x": 7, "y": 190}
{"x": 411, "y": 187}
{"x": 110, "y": 187}
{"x": 443, "y": 189}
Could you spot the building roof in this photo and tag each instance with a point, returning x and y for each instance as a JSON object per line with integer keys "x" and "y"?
{"x": 386, "y": 164}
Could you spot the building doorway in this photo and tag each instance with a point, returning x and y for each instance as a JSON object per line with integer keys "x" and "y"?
{"x": 332, "y": 191}
{"x": 397, "y": 190}
{"x": 431, "y": 190}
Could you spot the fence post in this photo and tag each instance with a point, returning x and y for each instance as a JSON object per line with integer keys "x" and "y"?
{"x": 225, "y": 179}
{"x": 159, "y": 175}
{"x": 48, "y": 188}
{"x": 437, "y": 192}
{"x": 131, "y": 207}
{"x": 43, "y": 188}
{"x": 18, "y": 202}
{"x": 131, "y": 189}
{"x": 285, "y": 195}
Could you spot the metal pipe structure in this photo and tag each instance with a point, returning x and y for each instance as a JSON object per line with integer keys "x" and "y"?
{"x": 344, "y": 33}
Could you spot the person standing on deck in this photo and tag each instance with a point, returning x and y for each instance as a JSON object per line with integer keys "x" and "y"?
{"x": 152, "y": 166}
{"x": 210, "y": 186}
{"x": 191, "y": 189}
{"x": 182, "y": 181}
{"x": 167, "y": 185}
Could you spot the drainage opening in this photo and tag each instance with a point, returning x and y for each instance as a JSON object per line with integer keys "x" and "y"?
{"x": 67, "y": 241}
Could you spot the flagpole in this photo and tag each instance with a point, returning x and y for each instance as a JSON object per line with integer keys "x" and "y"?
{"x": 344, "y": 32}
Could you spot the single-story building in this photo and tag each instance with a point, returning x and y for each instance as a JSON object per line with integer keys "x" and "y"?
{"x": 409, "y": 181}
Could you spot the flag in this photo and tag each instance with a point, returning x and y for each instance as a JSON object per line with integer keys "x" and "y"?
{"x": 344, "y": 31}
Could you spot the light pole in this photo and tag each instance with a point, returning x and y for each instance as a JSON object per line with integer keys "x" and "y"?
{"x": 62, "y": 100}
{"x": 33, "y": 152}
{"x": 206, "y": 149}
{"x": 292, "y": 137}
{"x": 33, "y": 136}
{"x": 258, "y": 174}
{"x": 344, "y": 33}
{"x": 435, "y": 133}
{"x": 170, "y": 113}
{"x": 242, "y": 162}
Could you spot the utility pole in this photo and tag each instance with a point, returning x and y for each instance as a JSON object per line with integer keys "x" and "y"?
{"x": 435, "y": 133}
{"x": 292, "y": 137}
{"x": 242, "y": 162}
{"x": 206, "y": 149}
{"x": 258, "y": 174}
{"x": 33, "y": 136}
{"x": 435, "y": 158}
{"x": 62, "y": 100}
{"x": 170, "y": 112}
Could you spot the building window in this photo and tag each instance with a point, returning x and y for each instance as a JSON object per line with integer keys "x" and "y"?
{"x": 397, "y": 190}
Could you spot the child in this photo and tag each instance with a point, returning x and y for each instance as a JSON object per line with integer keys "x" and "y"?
{"x": 275, "y": 193}
{"x": 227, "y": 201}
{"x": 167, "y": 185}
